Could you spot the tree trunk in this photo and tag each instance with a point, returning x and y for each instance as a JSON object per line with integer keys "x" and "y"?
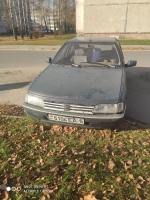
{"x": 25, "y": 17}
{"x": 12, "y": 20}
{"x": 20, "y": 19}
{"x": 28, "y": 18}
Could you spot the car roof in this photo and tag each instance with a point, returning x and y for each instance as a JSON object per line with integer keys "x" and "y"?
{"x": 93, "y": 39}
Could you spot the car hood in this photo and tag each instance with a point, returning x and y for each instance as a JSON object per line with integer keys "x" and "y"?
{"x": 71, "y": 84}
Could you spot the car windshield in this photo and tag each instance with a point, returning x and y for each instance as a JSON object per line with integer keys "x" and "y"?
{"x": 88, "y": 54}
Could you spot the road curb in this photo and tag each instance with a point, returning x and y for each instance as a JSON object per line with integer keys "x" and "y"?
{"x": 56, "y": 48}
{"x": 29, "y": 47}
{"x": 135, "y": 47}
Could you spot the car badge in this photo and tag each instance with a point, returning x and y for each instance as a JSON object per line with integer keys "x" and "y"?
{"x": 66, "y": 107}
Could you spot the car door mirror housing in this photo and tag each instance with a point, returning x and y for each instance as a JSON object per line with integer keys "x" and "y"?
{"x": 48, "y": 60}
{"x": 131, "y": 63}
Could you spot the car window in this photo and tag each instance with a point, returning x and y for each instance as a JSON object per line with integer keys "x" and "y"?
{"x": 82, "y": 53}
{"x": 61, "y": 54}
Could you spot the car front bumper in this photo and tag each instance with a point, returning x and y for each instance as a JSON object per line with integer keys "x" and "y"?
{"x": 90, "y": 121}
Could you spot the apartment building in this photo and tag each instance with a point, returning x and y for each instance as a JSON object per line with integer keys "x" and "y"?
{"x": 125, "y": 18}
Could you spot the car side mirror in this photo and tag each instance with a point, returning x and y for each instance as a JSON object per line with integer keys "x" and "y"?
{"x": 131, "y": 63}
{"x": 48, "y": 60}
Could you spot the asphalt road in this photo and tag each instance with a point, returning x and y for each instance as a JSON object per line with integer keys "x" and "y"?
{"x": 19, "y": 68}
{"x": 10, "y": 59}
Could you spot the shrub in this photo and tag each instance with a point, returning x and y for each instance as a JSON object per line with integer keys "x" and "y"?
{"x": 37, "y": 34}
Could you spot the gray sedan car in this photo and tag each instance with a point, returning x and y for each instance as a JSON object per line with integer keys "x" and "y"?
{"x": 84, "y": 85}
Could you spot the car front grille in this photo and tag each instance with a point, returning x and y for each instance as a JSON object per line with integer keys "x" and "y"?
{"x": 68, "y": 107}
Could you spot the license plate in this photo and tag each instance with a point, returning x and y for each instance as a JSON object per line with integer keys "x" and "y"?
{"x": 73, "y": 120}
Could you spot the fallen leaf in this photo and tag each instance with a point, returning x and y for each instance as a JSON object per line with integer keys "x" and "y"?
{"x": 5, "y": 181}
{"x": 38, "y": 141}
{"x": 69, "y": 162}
{"x": 138, "y": 186}
{"x": 102, "y": 133}
{"x": 57, "y": 128}
{"x": 131, "y": 176}
{"x": 111, "y": 164}
{"x": 122, "y": 162}
{"x": 129, "y": 162}
{"x": 11, "y": 110}
{"x": 42, "y": 128}
{"x": 113, "y": 154}
{"x": 63, "y": 147}
{"x": 148, "y": 179}
{"x": 118, "y": 179}
{"x": 18, "y": 165}
{"x": 94, "y": 165}
{"x": 43, "y": 198}
{"x": 54, "y": 169}
{"x": 90, "y": 196}
{"x": 6, "y": 195}
{"x": 78, "y": 179}
{"x": 131, "y": 141}
{"x": 71, "y": 130}
{"x": 140, "y": 178}
{"x": 81, "y": 152}
{"x": 66, "y": 129}
{"x": 90, "y": 180}
{"x": 140, "y": 161}
{"x": 41, "y": 162}
{"x": 148, "y": 140}
{"x": 136, "y": 152}
{"x": 120, "y": 144}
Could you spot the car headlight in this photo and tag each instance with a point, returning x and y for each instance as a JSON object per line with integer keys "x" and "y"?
{"x": 109, "y": 108}
{"x": 36, "y": 101}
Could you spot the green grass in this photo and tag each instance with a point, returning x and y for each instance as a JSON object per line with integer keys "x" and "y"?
{"x": 59, "y": 40}
{"x": 135, "y": 42}
{"x": 46, "y": 40}
{"x": 72, "y": 162}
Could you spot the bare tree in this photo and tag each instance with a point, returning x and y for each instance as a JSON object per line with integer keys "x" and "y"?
{"x": 64, "y": 15}
{"x": 28, "y": 14}
{"x": 12, "y": 19}
{"x": 20, "y": 18}
{"x": 5, "y": 11}
{"x": 24, "y": 13}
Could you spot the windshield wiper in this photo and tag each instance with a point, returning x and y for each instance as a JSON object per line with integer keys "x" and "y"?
{"x": 112, "y": 66}
{"x": 75, "y": 65}
{"x": 61, "y": 64}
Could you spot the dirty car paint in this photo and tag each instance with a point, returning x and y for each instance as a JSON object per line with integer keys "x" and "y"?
{"x": 93, "y": 84}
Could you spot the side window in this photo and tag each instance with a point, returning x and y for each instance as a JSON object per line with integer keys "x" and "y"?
{"x": 61, "y": 54}
{"x": 115, "y": 55}
{"x": 120, "y": 50}
{"x": 71, "y": 50}
{"x": 65, "y": 54}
